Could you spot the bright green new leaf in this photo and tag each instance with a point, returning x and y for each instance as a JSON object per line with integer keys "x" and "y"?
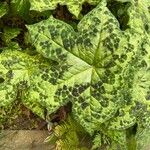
{"x": 97, "y": 143}
{"x": 74, "y": 6}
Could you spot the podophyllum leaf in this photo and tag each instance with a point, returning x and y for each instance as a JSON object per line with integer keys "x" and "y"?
{"x": 16, "y": 70}
{"x": 137, "y": 75}
{"x": 97, "y": 68}
{"x": 3, "y": 8}
{"x": 84, "y": 61}
{"x": 74, "y": 6}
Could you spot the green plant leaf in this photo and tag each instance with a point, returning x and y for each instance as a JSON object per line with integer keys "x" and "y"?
{"x": 74, "y": 6}
{"x": 3, "y": 8}
{"x": 16, "y": 71}
{"x": 99, "y": 67}
{"x": 80, "y": 76}
{"x": 20, "y": 7}
{"x": 9, "y": 34}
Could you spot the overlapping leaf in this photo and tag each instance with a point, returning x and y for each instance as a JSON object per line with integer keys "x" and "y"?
{"x": 74, "y": 6}
{"x": 136, "y": 75}
{"x": 88, "y": 60}
{"x": 16, "y": 72}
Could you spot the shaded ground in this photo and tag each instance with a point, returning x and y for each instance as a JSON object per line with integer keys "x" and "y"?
{"x": 21, "y": 118}
{"x": 24, "y": 140}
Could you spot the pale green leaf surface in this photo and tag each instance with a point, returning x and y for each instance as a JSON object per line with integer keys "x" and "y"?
{"x": 16, "y": 70}
{"x": 85, "y": 55}
{"x": 137, "y": 75}
{"x": 74, "y": 6}
{"x": 101, "y": 58}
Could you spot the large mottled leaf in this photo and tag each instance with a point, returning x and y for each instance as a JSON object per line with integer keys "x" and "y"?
{"x": 3, "y": 8}
{"x": 136, "y": 76}
{"x": 74, "y": 6}
{"x": 86, "y": 73}
{"x": 103, "y": 65}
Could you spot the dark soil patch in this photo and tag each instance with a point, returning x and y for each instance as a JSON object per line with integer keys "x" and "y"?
{"x": 22, "y": 119}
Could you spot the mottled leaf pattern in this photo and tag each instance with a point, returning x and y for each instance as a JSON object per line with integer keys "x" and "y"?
{"x": 16, "y": 72}
{"x": 136, "y": 75}
{"x": 103, "y": 70}
{"x": 74, "y": 6}
{"x": 105, "y": 66}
